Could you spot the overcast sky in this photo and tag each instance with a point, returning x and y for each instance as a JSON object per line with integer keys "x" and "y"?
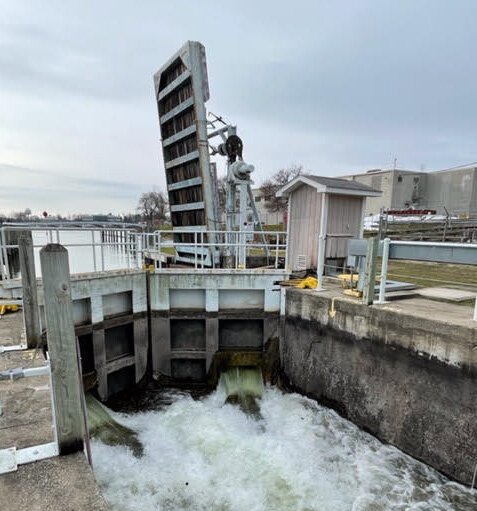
{"x": 337, "y": 86}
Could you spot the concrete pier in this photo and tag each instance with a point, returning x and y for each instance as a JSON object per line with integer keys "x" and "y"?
{"x": 405, "y": 372}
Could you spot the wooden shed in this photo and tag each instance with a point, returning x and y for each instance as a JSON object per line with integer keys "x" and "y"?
{"x": 326, "y": 211}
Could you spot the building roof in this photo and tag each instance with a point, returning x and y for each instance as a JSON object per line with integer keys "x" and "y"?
{"x": 372, "y": 172}
{"x": 329, "y": 185}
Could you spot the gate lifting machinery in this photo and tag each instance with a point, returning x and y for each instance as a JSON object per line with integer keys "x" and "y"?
{"x": 238, "y": 193}
{"x": 181, "y": 92}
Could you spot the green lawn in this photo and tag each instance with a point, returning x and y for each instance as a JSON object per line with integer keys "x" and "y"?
{"x": 433, "y": 274}
{"x": 168, "y": 250}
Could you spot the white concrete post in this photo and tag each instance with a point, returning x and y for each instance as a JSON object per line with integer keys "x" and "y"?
{"x": 475, "y": 310}
{"x": 384, "y": 271}
{"x": 320, "y": 266}
{"x": 282, "y": 300}
{"x": 102, "y": 252}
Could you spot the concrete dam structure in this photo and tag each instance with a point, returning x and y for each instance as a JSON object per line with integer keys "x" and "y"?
{"x": 409, "y": 380}
{"x": 403, "y": 372}
{"x": 192, "y": 316}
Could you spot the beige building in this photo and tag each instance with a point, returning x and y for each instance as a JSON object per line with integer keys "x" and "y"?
{"x": 453, "y": 190}
{"x": 401, "y": 189}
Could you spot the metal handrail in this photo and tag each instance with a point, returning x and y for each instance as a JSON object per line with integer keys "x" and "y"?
{"x": 135, "y": 244}
{"x": 387, "y": 242}
{"x": 217, "y": 239}
{"x": 130, "y": 241}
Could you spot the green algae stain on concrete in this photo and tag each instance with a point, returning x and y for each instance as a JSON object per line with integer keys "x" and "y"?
{"x": 103, "y": 427}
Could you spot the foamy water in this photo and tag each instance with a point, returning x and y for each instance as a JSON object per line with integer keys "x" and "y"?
{"x": 297, "y": 456}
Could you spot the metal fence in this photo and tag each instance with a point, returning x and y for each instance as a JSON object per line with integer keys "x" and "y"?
{"x": 217, "y": 249}
{"x": 424, "y": 251}
{"x": 463, "y": 253}
{"x": 95, "y": 247}
{"x": 99, "y": 249}
{"x": 431, "y": 227}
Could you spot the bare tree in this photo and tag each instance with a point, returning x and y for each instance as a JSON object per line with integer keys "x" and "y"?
{"x": 153, "y": 207}
{"x": 270, "y": 187}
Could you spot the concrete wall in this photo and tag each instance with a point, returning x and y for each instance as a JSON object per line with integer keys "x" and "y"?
{"x": 409, "y": 381}
{"x": 195, "y": 314}
{"x": 409, "y": 189}
{"x": 455, "y": 190}
{"x": 110, "y": 314}
{"x": 383, "y": 181}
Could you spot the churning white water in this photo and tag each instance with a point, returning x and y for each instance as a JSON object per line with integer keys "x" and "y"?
{"x": 295, "y": 455}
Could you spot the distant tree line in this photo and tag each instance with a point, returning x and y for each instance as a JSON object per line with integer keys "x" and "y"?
{"x": 153, "y": 207}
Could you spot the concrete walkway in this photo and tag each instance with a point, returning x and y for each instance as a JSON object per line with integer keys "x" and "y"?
{"x": 416, "y": 306}
{"x": 60, "y": 483}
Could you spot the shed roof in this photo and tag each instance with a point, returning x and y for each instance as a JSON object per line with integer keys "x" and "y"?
{"x": 329, "y": 185}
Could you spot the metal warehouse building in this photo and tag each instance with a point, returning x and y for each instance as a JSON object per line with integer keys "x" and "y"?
{"x": 454, "y": 190}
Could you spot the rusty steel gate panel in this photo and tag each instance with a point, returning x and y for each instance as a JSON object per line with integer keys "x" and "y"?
{"x": 182, "y": 89}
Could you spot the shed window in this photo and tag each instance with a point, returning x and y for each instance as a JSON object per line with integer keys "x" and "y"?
{"x": 258, "y": 198}
{"x": 399, "y": 179}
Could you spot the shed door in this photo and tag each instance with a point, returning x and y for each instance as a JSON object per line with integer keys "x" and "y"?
{"x": 344, "y": 223}
{"x": 305, "y": 207}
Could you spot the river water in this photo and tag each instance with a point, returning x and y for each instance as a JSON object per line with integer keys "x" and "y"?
{"x": 294, "y": 455}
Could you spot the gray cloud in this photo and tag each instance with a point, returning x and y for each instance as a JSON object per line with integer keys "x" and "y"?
{"x": 39, "y": 189}
{"x": 336, "y": 86}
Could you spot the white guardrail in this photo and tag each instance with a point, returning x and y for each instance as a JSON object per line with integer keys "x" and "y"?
{"x": 100, "y": 249}
{"x": 210, "y": 249}
{"x": 427, "y": 246}
{"x": 98, "y": 245}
